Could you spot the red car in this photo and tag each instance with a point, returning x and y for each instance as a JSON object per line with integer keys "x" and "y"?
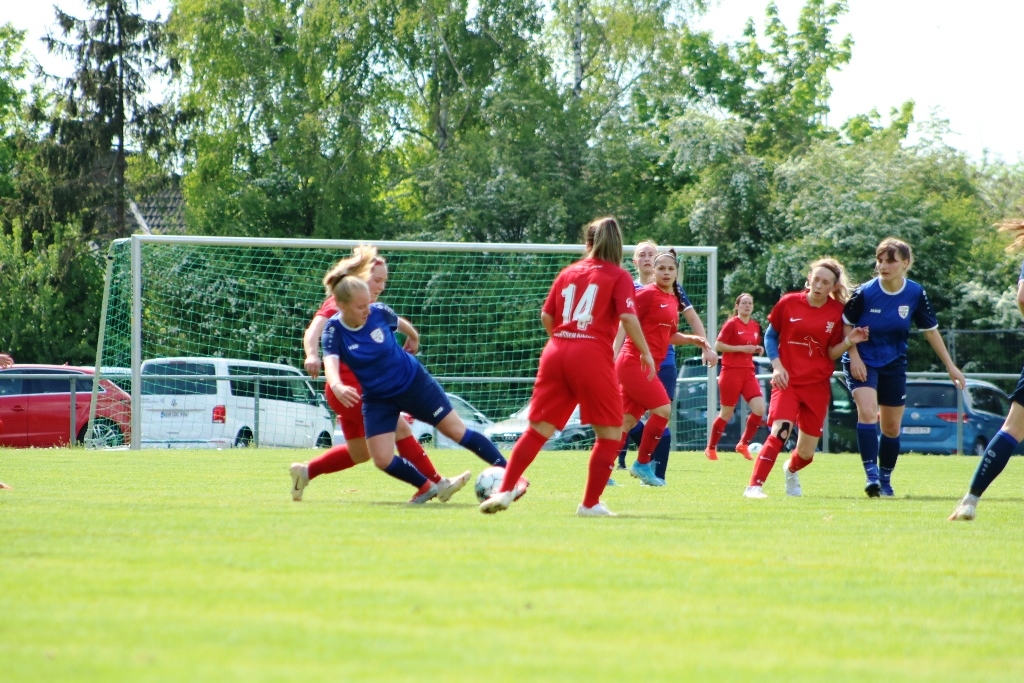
{"x": 37, "y": 411}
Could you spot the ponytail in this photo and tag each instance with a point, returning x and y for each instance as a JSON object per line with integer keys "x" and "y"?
{"x": 357, "y": 266}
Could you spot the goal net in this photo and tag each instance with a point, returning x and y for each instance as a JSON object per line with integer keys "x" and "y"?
{"x": 203, "y": 330}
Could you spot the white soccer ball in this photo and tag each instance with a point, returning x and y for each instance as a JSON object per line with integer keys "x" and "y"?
{"x": 754, "y": 448}
{"x": 488, "y": 482}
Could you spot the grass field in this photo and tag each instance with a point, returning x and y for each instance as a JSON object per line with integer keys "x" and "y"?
{"x": 194, "y": 566}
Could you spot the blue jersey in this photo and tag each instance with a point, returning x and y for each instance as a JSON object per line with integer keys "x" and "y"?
{"x": 670, "y": 357}
{"x": 888, "y": 316}
{"x": 383, "y": 367}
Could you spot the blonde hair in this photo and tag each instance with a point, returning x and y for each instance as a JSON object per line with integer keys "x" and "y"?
{"x": 1015, "y": 226}
{"x": 356, "y": 267}
{"x": 603, "y": 238}
{"x": 841, "y": 290}
{"x": 641, "y": 245}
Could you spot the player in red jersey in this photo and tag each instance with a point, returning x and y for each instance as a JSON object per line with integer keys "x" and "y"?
{"x": 354, "y": 450}
{"x": 657, "y": 306}
{"x": 803, "y": 340}
{"x": 738, "y": 342}
{"x": 581, "y": 315}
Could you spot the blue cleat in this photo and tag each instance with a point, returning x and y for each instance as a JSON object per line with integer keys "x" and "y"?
{"x": 611, "y": 482}
{"x": 873, "y": 488}
{"x": 886, "y": 490}
{"x": 645, "y": 473}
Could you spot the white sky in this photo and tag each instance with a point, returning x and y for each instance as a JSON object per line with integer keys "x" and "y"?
{"x": 954, "y": 58}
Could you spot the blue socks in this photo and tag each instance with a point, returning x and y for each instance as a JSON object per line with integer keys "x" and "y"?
{"x": 867, "y": 443}
{"x": 635, "y": 434}
{"x": 660, "y": 455}
{"x": 483, "y": 447}
{"x": 998, "y": 453}
{"x": 888, "y": 451}
{"x": 402, "y": 469}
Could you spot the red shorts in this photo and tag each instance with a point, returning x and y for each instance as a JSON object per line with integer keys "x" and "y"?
{"x": 639, "y": 394}
{"x": 350, "y": 419}
{"x": 736, "y": 382}
{"x": 575, "y": 373}
{"x": 806, "y": 405}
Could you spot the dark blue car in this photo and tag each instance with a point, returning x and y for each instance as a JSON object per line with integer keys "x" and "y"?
{"x": 929, "y": 421}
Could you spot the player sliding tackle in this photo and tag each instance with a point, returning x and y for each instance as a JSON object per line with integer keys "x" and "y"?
{"x": 362, "y": 336}
{"x": 581, "y": 316}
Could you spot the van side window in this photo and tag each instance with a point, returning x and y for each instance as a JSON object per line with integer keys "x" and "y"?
{"x": 187, "y": 385}
{"x": 293, "y": 391}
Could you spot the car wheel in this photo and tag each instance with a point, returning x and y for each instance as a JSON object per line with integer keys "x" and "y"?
{"x": 244, "y": 438}
{"x": 324, "y": 440}
{"x": 105, "y": 434}
{"x": 979, "y": 447}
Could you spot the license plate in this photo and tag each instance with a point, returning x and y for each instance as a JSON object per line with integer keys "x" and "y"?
{"x": 917, "y": 430}
{"x": 173, "y": 413}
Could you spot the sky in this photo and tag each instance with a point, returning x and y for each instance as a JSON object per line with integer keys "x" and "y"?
{"x": 955, "y": 59}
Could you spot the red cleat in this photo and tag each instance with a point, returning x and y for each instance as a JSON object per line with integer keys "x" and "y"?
{"x": 711, "y": 453}
{"x": 743, "y": 450}
{"x": 521, "y": 487}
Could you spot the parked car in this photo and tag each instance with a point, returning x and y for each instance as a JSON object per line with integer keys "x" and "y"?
{"x": 193, "y": 410}
{"x": 473, "y": 418}
{"x": 37, "y": 411}
{"x": 929, "y": 420}
{"x": 691, "y": 411}
{"x": 575, "y": 436}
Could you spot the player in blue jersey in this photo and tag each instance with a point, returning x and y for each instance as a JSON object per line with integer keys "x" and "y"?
{"x": 876, "y": 370}
{"x": 1005, "y": 442}
{"x": 643, "y": 261}
{"x": 362, "y": 336}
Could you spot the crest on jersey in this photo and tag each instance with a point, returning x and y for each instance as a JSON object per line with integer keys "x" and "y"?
{"x": 904, "y": 311}
{"x": 828, "y": 327}
{"x": 377, "y": 335}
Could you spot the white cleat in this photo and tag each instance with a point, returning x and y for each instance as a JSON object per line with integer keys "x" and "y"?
{"x": 754, "y": 492}
{"x": 965, "y": 510}
{"x": 448, "y": 487}
{"x": 792, "y": 482}
{"x": 598, "y": 510}
{"x": 498, "y": 502}
{"x": 300, "y": 479}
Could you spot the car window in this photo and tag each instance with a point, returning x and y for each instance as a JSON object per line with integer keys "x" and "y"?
{"x": 84, "y": 383}
{"x": 985, "y": 399}
{"x": 58, "y": 383}
{"x": 10, "y": 386}
{"x": 931, "y": 396}
{"x": 842, "y": 401}
{"x": 186, "y": 386}
{"x": 294, "y": 391}
{"x": 463, "y": 409}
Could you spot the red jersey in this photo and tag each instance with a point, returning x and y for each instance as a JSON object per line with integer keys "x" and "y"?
{"x": 659, "y": 319}
{"x": 737, "y": 333}
{"x": 586, "y": 300}
{"x": 805, "y": 335}
{"x": 329, "y": 309}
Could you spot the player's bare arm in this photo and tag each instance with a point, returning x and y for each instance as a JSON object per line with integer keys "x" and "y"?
{"x": 412, "y": 336}
{"x": 548, "y": 321}
{"x": 850, "y": 341}
{"x": 311, "y": 345}
{"x": 857, "y": 367}
{"x": 693, "y": 320}
{"x": 346, "y": 394}
{"x": 939, "y": 347}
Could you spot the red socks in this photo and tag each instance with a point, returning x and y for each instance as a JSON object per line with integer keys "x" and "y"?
{"x": 523, "y": 453}
{"x": 796, "y": 463}
{"x": 602, "y": 459}
{"x": 753, "y": 422}
{"x": 765, "y": 461}
{"x": 333, "y": 460}
{"x": 652, "y": 435}
{"x": 410, "y": 449}
{"x": 717, "y": 429}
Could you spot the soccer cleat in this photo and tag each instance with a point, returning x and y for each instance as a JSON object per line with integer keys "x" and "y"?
{"x": 300, "y": 479}
{"x": 965, "y": 510}
{"x": 792, "y": 482}
{"x": 873, "y": 488}
{"x": 711, "y": 453}
{"x": 621, "y": 465}
{"x": 754, "y": 492}
{"x": 446, "y": 488}
{"x": 645, "y": 473}
{"x": 521, "y": 487}
{"x": 498, "y": 502}
{"x": 4, "y": 486}
{"x": 611, "y": 482}
{"x": 425, "y": 493}
{"x": 744, "y": 450}
{"x": 598, "y": 510}
{"x": 886, "y": 490}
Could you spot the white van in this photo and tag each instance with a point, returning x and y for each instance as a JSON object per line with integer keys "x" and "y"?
{"x": 190, "y": 411}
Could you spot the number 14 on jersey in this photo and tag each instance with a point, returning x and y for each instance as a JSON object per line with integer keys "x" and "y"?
{"x": 581, "y": 315}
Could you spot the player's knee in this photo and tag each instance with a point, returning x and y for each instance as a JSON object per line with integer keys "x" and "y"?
{"x": 784, "y": 430}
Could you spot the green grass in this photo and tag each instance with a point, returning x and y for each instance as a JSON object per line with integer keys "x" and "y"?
{"x": 188, "y": 566}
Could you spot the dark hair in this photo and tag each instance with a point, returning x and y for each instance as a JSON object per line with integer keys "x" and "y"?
{"x": 736, "y": 305}
{"x": 894, "y": 250}
{"x": 676, "y": 287}
{"x": 603, "y": 238}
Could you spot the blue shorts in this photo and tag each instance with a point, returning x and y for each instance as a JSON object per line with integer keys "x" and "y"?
{"x": 667, "y": 375}
{"x": 425, "y": 400}
{"x": 1018, "y": 392}
{"x": 890, "y": 381}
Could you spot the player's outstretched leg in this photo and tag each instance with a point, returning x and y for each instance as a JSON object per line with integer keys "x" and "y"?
{"x": 997, "y": 454}
{"x": 792, "y": 466}
{"x": 332, "y": 460}
{"x": 602, "y": 458}
{"x": 763, "y": 467}
{"x": 523, "y": 454}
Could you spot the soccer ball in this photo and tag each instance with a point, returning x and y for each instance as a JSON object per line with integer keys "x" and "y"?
{"x": 488, "y": 482}
{"x": 754, "y": 448}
